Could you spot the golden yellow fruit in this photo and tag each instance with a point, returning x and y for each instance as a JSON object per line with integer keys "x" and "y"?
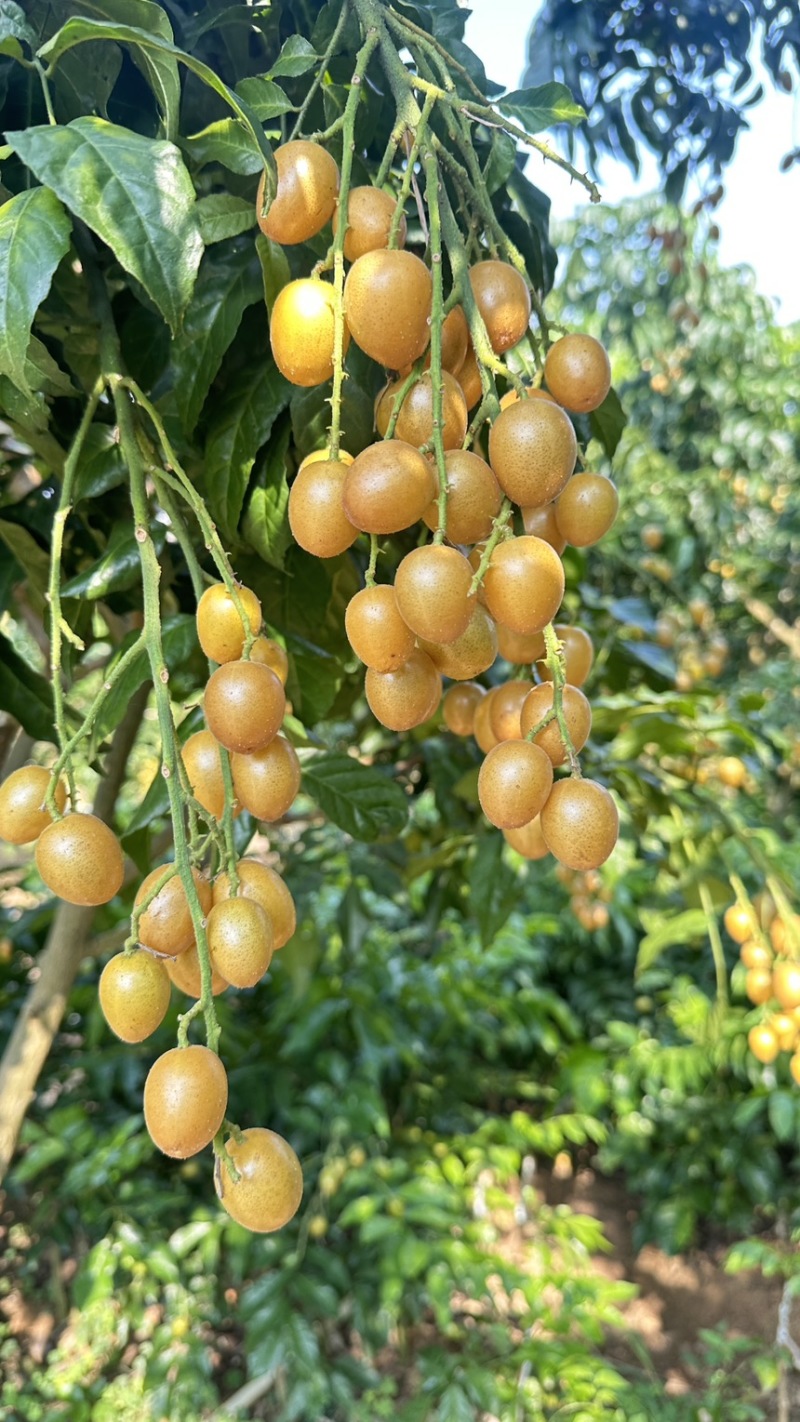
{"x": 302, "y": 331}
{"x": 317, "y": 514}
{"x": 415, "y": 420}
{"x": 387, "y": 298}
{"x": 432, "y": 587}
{"x": 165, "y": 925}
{"x": 308, "y": 185}
{"x": 134, "y": 995}
{"x": 22, "y": 797}
{"x": 388, "y": 487}
{"x": 578, "y": 373}
{"x": 524, "y": 584}
{"x": 504, "y": 302}
{"x": 185, "y": 1096}
{"x": 369, "y": 218}
{"x": 532, "y": 450}
{"x": 269, "y": 1189}
{"x": 473, "y": 498}
{"x": 80, "y": 860}
{"x": 406, "y": 697}
{"x": 471, "y": 653}
{"x": 259, "y": 882}
{"x": 580, "y": 823}
{"x": 459, "y": 705}
{"x": 528, "y": 840}
{"x": 514, "y": 783}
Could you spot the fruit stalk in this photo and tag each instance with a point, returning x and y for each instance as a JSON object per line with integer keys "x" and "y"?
{"x": 555, "y": 661}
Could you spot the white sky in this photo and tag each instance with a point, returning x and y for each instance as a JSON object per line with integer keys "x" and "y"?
{"x": 760, "y": 213}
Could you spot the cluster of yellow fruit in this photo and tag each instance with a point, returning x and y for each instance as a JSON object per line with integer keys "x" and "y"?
{"x": 456, "y": 604}
{"x": 767, "y": 947}
{"x": 589, "y": 898}
{"x": 700, "y": 651}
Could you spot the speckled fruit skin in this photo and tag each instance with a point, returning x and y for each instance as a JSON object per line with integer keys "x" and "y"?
{"x": 267, "y": 782}
{"x": 578, "y": 654}
{"x": 272, "y": 655}
{"x": 134, "y": 995}
{"x": 388, "y": 487}
{"x": 185, "y": 1096}
{"x": 578, "y": 373}
{"x": 432, "y": 587}
{"x": 80, "y": 860}
{"x": 580, "y": 823}
{"x": 184, "y": 972}
{"x": 506, "y": 710}
{"x": 302, "y": 331}
{"x": 244, "y": 705}
{"x": 369, "y": 217}
{"x": 308, "y": 185}
{"x": 482, "y": 726}
{"x": 528, "y": 840}
{"x": 387, "y": 302}
{"x": 469, "y": 378}
{"x": 407, "y": 697}
{"x": 514, "y": 783}
{"x": 504, "y": 302}
{"x": 586, "y": 509}
{"x": 524, "y": 584}
{"x": 201, "y": 757}
{"x": 166, "y": 924}
{"x": 534, "y": 392}
{"x": 219, "y": 626}
{"x": 459, "y": 705}
{"x": 270, "y": 1185}
{"x": 259, "y": 882}
{"x": 541, "y": 522}
{"x": 22, "y": 796}
{"x": 532, "y": 450}
{"x": 473, "y": 498}
{"x": 519, "y": 648}
{"x": 471, "y": 653}
{"x": 240, "y": 940}
{"x": 317, "y": 514}
{"x": 415, "y": 420}
{"x": 577, "y": 713}
{"x": 376, "y": 631}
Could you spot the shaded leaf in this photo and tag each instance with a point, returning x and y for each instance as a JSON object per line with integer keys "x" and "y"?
{"x": 25, "y": 695}
{"x": 267, "y": 100}
{"x": 34, "y": 236}
{"x": 179, "y": 640}
{"x": 31, "y": 558}
{"x": 101, "y": 465}
{"x": 118, "y": 568}
{"x": 14, "y": 30}
{"x": 266, "y": 523}
{"x": 608, "y": 422}
{"x": 494, "y": 887}
{"x": 226, "y": 285}
{"x": 226, "y": 142}
{"x": 159, "y": 67}
{"x": 361, "y": 800}
{"x": 221, "y": 215}
{"x": 682, "y": 928}
{"x": 275, "y": 270}
{"x": 241, "y": 425}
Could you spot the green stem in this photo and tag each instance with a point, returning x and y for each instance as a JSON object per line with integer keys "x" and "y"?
{"x": 110, "y": 681}
{"x": 554, "y": 659}
{"x": 408, "y": 176}
{"x": 499, "y": 526}
{"x": 48, "y": 102}
{"x": 373, "y": 560}
{"x": 437, "y": 379}
{"x": 322, "y": 70}
{"x": 400, "y": 395}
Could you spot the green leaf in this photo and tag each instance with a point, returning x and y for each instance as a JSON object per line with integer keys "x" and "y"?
{"x": 608, "y": 422}
{"x": 266, "y": 522}
{"x": 501, "y": 161}
{"x": 221, "y": 215}
{"x": 226, "y": 285}
{"x": 14, "y": 30}
{"x": 275, "y": 269}
{"x": 43, "y": 373}
{"x": 783, "y": 1114}
{"x": 25, "y": 695}
{"x": 267, "y": 100}
{"x": 228, "y": 143}
{"x": 179, "y": 640}
{"x": 134, "y": 192}
{"x": 154, "y": 805}
{"x": 159, "y": 67}
{"x": 494, "y": 887}
{"x": 31, "y": 558}
{"x": 101, "y": 465}
{"x": 455, "y": 1406}
{"x": 542, "y": 107}
{"x": 119, "y": 567}
{"x": 242, "y": 424}
{"x": 296, "y": 57}
{"x": 358, "y": 798}
{"x": 34, "y": 236}
{"x": 85, "y": 80}
{"x": 681, "y": 928}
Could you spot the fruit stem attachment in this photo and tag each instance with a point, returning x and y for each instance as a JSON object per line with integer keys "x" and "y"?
{"x": 408, "y": 177}
{"x": 432, "y": 180}
{"x": 554, "y": 659}
{"x": 499, "y": 526}
{"x": 373, "y": 560}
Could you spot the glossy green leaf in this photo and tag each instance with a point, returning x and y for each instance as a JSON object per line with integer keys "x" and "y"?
{"x": 608, "y": 422}
{"x": 266, "y": 522}
{"x": 14, "y": 30}
{"x": 240, "y": 426}
{"x": 159, "y": 67}
{"x": 360, "y": 799}
{"x": 134, "y": 192}
{"x": 542, "y": 107}
{"x": 275, "y": 269}
{"x": 494, "y": 887}
{"x": 24, "y": 694}
{"x": 101, "y": 465}
{"x": 267, "y": 100}
{"x": 226, "y": 142}
{"x": 118, "y": 568}
{"x": 228, "y": 282}
{"x": 34, "y": 236}
{"x": 222, "y": 215}
{"x": 296, "y": 57}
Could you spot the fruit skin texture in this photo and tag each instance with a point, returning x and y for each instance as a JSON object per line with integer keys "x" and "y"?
{"x": 514, "y": 783}
{"x": 80, "y": 860}
{"x": 577, "y": 713}
{"x": 459, "y": 705}
{"x": 273, "y": 655}
{"x": 166, "y": 924}
{"x": 415, "y": 420}
{"x": 533, "y": 392}
{"x": 524, "y": 584}
{"x": 388, "y": 487}
{"x": 519, "y": 648}
{"x": 541, "y": 522}
{"x": 469, "y": 378}
{"x": 240, "y": 940}
{"x": 580, "y": 823}
{"x": 317, "y": 515}
{"x": 432, "y": 590}
{"x": 376, "y": 631}
{"x": 387, "y": 302}
{"x": 473, "y": 498}
{"x": 219, "y": 626}
{"x": 270, "y": 1185}
{"x": 532, "y": 450}
{"x": 739, "y": 923}
{"x": 407, "y": 697}
{"x": 471, "y": 653}
{"x": 244, "y": 704}
{"x": 578, "y": 373}
{"x": 786, "y": 984}
{"x": 22, "y": 818}
{"x": 369, "y": 217}
{"x": 507, "y": 703}
{"x": 504, "y": 302}
{"x": 203, "y": 762}
{"x": 267, "y": 782}
{"x": 134, "y": 995}
{"x": 586, "y": 509}
{"x": 185, "y": 1096}
{"x": 184, "y": 972}
{"x": 528, "y": 840}
{"x": 578, "y": 654}
{"x": 259, "y": 882}
{"x": 308, "y": 184}
{"x": 302, "y": 331}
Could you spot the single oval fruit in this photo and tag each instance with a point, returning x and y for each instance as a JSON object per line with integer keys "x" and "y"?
{"x": 542, "y": 523}
{"x": 407, "y": 697}
{"x": 586, "y": 509}
{"x": 786, "y": 1030}
{"x": 455, "y": 343}
{"x": 758, "y": 985}
{"x": 302, "y": 331}
{"x": 514, "y": 783}
{"x": 578, "y": 372}
{"x": 578, "y": 654}
{"x": 519, "y": 648}
{"x": 786, "y": 984}
{"x": 432, "y": 587}
{"x": 272, "y": 655}
{"x": 528, "y": 840}
{"x": 785, "y": 936}
{"x": 369, "y": 218}
{"x": 22, "y": 796}
{"x": 240, "y": 940}
{"x": 308, "y": 185}
{"x": 376, "y": 631}
{"x": 134, "y": 995}
{"x": 763, "y": 1043}
{"x": 184, "y": 972}
{"x": 532, "y": 450}
{"x": 317, "y": 514}
{"x": 415, "y": 420}
{"x": 269, "y": 1189}
{"x": 482, "y": 729}
{"x": 388, "y": 487}
{"x": 507, "y": 703}
{"x": 244, "y": 704}
{"x": 459, "y": 704}
{"x": 755, "y": 955}
{"x": 504, "y": 302}
{"x": 267, "y": 782}
{"x": 266, "y": 887}
{"x": 203, "y": 762}
{"x": 185, "y": 1097}
{"x": 577, "y": 714}
{"x": 473, "y": 498}
{"x": 387, "y": 298}
{"x": 739, "y": 922}
{"x": 165, "y": 925}
{"x": 732, "y": 772}
{"x": 80, "y": 860}
{"x": 471, "y": 653}
{"x": 220, "y": 629}
{"x": 524, "y": 584}
{"x": 580, "y": 823}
